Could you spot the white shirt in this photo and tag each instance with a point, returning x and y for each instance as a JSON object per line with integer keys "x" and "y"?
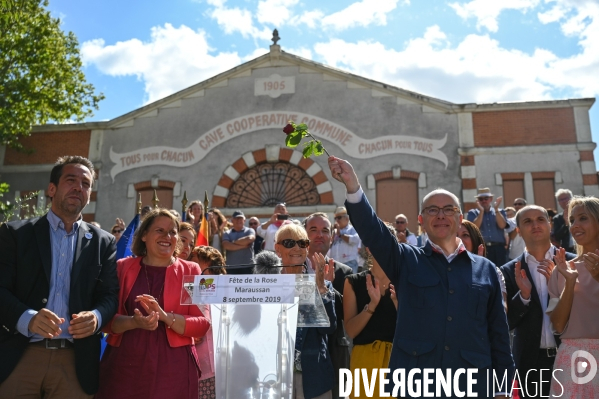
{"x": 517, "y": 247}
{"x": 547, "y": 338}
{"x": 412, "y": 240}
{"x": 269, "y": 236}
{"x": 343, "y": 251}
{"x": 455, "y": 253}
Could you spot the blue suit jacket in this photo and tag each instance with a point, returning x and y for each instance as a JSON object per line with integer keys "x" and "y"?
{"x": 450, "y": 315}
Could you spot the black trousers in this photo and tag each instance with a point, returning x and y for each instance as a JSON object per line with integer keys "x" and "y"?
{"x": 538, "y": 382}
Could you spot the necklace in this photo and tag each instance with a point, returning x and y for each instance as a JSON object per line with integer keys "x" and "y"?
{"x": 148, "y": 282}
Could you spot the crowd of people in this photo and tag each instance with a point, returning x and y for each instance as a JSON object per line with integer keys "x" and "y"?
{"x": 444, "y": 297}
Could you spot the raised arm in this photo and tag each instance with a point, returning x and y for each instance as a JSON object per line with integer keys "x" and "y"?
{"x": 374, "y": 233}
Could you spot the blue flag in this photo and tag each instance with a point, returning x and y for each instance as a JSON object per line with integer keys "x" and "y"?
{"x": 123, "y": 247}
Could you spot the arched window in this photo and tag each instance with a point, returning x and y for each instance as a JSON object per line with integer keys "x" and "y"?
{"x": 268, "y": 184}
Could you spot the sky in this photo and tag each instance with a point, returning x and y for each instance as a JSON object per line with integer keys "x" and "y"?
{"x": 478, "y": 51}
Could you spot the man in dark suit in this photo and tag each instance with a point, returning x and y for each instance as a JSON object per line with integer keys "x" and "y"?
{"x": 318, "y": 227}
{"x": 450, "y": 313}
{"x": 526, "y": 279}
{"x": 58, "y": 287}
{"x": 561, "y": 227}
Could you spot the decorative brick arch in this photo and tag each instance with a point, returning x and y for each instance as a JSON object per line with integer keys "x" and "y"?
{"x": 251, "y": 159}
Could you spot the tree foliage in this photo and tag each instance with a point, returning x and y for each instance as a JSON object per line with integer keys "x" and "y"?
{"x": 19, "y": 209}
{"x": 40, "y": 71}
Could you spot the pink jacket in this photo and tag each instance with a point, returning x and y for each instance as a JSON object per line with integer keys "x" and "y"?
{"x": 196, "y": 324}
{"x": 205, "y": 348}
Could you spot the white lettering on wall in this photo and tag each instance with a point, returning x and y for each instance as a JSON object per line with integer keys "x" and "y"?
{"x": 352, "y": 145}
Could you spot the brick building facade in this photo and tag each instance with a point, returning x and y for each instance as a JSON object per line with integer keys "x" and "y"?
{"x": 224, "y": 136}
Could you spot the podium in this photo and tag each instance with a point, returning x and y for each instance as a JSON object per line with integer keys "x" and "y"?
{"x": 254, "y": 322}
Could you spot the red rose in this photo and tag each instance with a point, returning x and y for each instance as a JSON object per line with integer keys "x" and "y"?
{"x": 289, "y": 129}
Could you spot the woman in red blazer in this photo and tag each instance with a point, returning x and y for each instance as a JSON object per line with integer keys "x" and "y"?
{"x": 151, "y": 351}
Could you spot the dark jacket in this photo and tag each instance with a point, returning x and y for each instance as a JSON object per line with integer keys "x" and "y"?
{"x": 450, "y": 315}
{"x": 338, "y": 342}
{"x": 561, "y": 232}
{"x": 317, "y": 368}
{"x": 25, "y": 269}
{"x": 526, "y": 320}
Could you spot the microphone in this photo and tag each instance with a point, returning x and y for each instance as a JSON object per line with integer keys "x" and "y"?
{"x": 267, "y": 262}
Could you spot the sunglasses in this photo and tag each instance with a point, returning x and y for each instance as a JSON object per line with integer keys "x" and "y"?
{"x": 290, "y": 243}
{"x": 518, "y": 204}
{"x": 117, "y": 231}
{"x": 400, "y": 222}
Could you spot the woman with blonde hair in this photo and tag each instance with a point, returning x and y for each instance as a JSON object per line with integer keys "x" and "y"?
{"x": 195, "y": 213}
{"x": 151, "y": 351}
{"x": 313, "y": 375}
{"x": 574, "y": 303}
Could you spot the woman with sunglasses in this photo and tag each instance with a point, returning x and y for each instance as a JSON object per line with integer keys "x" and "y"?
{"x": 151, "y": 351}
{"x": 313, "y": 376}
{"x": 117, "y": 232}
{"x": 574, "y": 293}
{"x": 369, "y": 314}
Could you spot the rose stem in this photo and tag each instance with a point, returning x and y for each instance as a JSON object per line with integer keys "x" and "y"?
{"x": 325, "y": 150}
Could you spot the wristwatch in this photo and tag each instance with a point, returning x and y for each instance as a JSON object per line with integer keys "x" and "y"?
{"x": 368, "y": 310}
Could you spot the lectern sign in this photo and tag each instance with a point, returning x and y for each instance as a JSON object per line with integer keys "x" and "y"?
{"x": 244, "y": 289}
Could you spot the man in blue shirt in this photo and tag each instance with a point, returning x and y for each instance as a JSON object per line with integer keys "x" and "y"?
{"x": 491, "y": 221}
{"x": 58, "y": 287}
{"x": 450, "y": 313}
{"x": 239, "y": 244}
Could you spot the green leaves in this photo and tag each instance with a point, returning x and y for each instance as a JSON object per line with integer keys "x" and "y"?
{"x": 293, "y": 139}
{"x": 295, "y": 134}
{"x": 41, "y": 80}
{"x": 313, "y": 147}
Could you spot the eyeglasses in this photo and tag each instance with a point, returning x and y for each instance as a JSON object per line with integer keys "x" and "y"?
{"x": 519, "y": 204}
{"x": 447, "y": 211}
{"x": 339, "y": 217}
{"x": 400, "y": 222}
{"x": 290, "y": 243}
{"x": 117, "y": 231}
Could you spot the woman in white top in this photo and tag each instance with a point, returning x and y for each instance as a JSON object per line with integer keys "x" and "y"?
{"x": 574, "y": 306}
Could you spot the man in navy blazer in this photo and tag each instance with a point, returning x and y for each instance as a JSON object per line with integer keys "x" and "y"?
{"x": 450, "y": 313}
{"x": 58, "y": 287}
{"x": 526, "y": 278}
